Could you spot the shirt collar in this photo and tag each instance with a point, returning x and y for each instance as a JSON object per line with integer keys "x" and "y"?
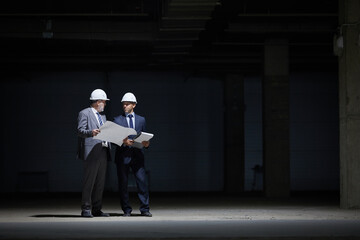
{"x": 94, "y": 110}
{"x": 127, "y": 114}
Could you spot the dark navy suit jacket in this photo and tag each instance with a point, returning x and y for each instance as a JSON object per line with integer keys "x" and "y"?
{"x": 125, "y": 154}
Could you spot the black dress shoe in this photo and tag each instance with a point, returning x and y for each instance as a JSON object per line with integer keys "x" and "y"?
{"x": 146, "y": 214}
{"x": 100, "y": 214}
{"x": 86, "y": 213}
{"x": 127, "y": 214}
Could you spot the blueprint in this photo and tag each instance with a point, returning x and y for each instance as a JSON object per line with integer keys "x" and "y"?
{"x": 112, "y": 132}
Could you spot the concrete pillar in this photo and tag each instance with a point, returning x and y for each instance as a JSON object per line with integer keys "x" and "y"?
{"x": 349, "y": 103}
{"x": 234, "y": 134}
{"x": 276, "y": 119}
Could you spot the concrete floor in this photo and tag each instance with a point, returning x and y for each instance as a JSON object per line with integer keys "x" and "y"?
{"x": 179, "y": 216}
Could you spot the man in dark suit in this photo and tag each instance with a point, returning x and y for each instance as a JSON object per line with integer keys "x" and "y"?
{"x": 94, "y": 153}
{"x": 127, "y": 157}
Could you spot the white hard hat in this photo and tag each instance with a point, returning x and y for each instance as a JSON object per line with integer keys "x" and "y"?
{"x": 98, "y": 94}
{"x": 129, "y": 97}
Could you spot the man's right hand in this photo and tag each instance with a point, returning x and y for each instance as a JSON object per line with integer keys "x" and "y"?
{"x": 95, "y": 132}
{"x": 128, "y": 142}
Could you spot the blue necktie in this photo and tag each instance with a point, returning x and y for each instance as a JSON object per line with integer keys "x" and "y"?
{"x": 130, "y": 121}
{"x": 100, "y": 119}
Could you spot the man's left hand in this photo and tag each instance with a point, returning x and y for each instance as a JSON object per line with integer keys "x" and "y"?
{"x": 145, "y": 143}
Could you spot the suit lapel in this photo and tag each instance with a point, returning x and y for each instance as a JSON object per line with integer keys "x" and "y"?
{"x": 124, "y": 121}
{"x": 93, "y": 117}
{"x": 137, "y": 123}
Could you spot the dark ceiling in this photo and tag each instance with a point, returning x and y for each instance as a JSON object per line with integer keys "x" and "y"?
{"x": 202, "y": 35}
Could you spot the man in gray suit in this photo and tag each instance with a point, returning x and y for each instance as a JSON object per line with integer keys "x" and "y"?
{"x": 94, "y": 154}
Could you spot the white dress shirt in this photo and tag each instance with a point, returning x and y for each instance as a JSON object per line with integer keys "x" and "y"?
{"x": 104, "y": 143}
{"x": 128, "y": 119}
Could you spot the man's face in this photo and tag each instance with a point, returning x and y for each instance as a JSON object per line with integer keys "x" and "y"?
{"x": 128, "y": 107}
{"x": 100, "y": 105}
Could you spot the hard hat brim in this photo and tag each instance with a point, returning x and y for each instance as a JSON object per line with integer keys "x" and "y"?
{"x": 93, "y": 99}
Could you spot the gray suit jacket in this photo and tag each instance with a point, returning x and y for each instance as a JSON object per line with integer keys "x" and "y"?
{"x": 86, "y": 123}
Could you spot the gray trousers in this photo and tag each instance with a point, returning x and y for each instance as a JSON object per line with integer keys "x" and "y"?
{"x": 94, "y": 178}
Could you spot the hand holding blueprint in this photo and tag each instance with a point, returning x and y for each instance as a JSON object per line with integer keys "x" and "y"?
{"x": 143, "y": 136}
{"x": 112, "y": 132}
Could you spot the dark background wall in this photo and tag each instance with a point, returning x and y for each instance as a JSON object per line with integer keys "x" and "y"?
{"x": 184, "y": 112}
{"x": 314, "y": 128}
{"x": 176, "y": 56}
{"x": 314, "y": 131}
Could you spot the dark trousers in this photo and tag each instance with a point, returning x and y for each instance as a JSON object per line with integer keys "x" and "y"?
{"x": 94, "y": 178}
{"x": 137, "y": 167}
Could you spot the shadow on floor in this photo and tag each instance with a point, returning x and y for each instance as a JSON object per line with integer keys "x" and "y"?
{"x": 79, "y": 216}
